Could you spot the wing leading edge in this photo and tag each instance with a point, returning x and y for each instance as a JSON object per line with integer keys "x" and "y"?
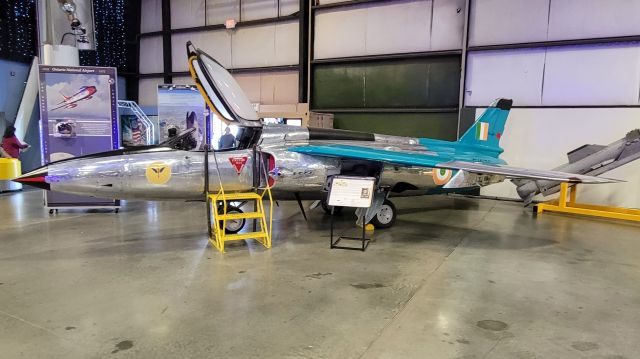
{"x": 433, "y": 160}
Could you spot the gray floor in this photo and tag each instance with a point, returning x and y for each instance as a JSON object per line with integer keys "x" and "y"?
{"x": 456, "y": 278}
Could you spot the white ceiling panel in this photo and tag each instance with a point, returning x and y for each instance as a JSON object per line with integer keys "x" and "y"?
{"x": 515, "y": 74}
{"x": 218, "y": 11}
{"x": 151, "y": 16}
{"x": 179, "y": 49}
{"x": 592, "y": 75}
{"x": 448, "y": 24}
{"x": 216, "y": 43}
{"x": 288, "y": 7}
{"x": 340, "y": 32}
{"x": 287, "y": 44}
{"x": 253, "y": 46}
{"x": 508, "y": 21}
{"x": 258, "y": 9}
{"x": 579, "y": 19}
{"x": 398, "y": 27}
{"x": 151, "y": 58}
{"x": 324, "y": 2}
{"x": 187, "y": 13}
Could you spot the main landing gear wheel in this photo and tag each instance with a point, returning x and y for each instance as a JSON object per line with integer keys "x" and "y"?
{"x": 386, "y": 215}
{"x": 327, "y": 208}
{"x": 232, "y": 225}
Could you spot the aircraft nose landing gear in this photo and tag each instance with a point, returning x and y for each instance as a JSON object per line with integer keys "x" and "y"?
{"x": 386, "y": 216}
{"x": 233, "y": 225}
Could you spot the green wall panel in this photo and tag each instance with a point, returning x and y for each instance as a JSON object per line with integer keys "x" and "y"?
{"x": 338, "y": 86}
{"x": 467, "y": 118}
{"x": 432, "y": 125}
{"x": 396, "y": 85}
{"x": 405, "y": 83}
{"x": 444, "y": 82}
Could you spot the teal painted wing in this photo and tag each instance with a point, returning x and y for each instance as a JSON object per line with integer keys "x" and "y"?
{"x": 431, "y": 159}
{"x": 424, "y": 159}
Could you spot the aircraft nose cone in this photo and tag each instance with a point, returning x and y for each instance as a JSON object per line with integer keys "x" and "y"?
{"x": 36, "y": 178}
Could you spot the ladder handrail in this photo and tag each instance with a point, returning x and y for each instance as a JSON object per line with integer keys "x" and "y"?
{"x": 267, "y": 190}
{"x": 220, "y": 191}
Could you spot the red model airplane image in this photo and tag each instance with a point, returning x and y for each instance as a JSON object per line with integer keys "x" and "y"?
{"x": 84, "y": 93}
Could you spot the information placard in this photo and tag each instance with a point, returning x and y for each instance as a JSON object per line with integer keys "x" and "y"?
{"x": 79, "y": 116}
{"x": 349, "y": 191}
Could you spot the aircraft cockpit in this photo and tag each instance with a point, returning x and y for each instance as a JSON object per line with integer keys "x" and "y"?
{"x": 243, "y": 138}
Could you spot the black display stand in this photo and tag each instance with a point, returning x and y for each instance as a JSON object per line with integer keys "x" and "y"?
{"x": 365, "y": 241}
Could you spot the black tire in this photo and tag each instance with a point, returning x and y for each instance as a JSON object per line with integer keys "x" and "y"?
{"x": 233, "y": 226}
{"x": 327, "y": 208}
{"x": 386, "y": 216}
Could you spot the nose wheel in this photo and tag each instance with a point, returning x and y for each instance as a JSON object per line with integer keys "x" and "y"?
{"x": 386, "y": 216}
{"x": 233, "y": 225}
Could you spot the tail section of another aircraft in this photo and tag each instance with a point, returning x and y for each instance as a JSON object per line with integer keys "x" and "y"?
{"x": 65, "y": 97}
{"x": 488, "y": 129}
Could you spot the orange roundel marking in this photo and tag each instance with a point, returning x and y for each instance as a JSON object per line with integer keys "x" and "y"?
{"x": 441, "y": 176}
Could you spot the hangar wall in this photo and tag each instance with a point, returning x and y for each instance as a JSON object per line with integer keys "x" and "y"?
{"x": 262, "y": 51}
{"x": 389, "y": 66}
{"x": 13, "y": 75}
{"x": 573, "y": 71}
{"x": 406, "y": 67}
{"x": 564, "y": 129}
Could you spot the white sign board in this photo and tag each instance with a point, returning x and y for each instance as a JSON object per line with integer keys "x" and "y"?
{"x": 351, "y": 191}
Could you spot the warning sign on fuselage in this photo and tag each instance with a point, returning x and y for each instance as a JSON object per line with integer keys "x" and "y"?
{"x": 238, "y": 163}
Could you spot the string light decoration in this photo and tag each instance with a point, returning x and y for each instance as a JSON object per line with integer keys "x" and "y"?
{"x": 110, "y": 35}
{"x": 18, "y": 29}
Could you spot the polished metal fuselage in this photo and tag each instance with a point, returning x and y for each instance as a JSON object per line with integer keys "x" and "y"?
{"x": 169, "y": 174}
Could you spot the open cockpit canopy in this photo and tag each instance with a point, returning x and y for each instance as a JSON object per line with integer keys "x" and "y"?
{"x": 220, "y": 90}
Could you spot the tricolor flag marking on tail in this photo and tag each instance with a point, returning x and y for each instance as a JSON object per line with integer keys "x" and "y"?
{"x": 482, "y": 131}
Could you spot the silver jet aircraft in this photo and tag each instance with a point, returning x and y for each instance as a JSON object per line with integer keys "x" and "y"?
{"x": 296, "y": 161}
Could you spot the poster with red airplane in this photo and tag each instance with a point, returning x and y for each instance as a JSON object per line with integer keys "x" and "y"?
{"x": 78, "y": 116}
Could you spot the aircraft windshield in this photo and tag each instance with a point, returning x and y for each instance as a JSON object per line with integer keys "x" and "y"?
{"x": 229, "y": 89}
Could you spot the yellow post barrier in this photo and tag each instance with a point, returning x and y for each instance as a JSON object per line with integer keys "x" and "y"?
{"x": 9, "y": 168}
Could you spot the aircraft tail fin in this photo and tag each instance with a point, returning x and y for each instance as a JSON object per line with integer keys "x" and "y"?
{"x": 488, "y": 128}
{"x": 64, "y": 96}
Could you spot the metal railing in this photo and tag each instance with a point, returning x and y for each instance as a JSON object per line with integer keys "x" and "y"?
{"x": 149, "y": 127}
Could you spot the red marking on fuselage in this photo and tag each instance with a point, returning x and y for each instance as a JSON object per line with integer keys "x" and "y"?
{"x": 272, "y": 164}
{"x": 31, "y": 179}
{"x": 238, "y": 163}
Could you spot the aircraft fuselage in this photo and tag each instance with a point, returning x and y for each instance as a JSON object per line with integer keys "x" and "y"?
{"x": 161, "y": 173}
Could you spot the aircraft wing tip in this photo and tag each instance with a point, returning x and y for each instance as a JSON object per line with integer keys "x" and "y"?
{"x": 596, "y": 180}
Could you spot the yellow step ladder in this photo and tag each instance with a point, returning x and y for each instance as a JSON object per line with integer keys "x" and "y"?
{"x": 219, "y": 220}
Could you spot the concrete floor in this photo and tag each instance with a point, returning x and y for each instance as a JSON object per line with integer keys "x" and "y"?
{"x": 455, "y": 278}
